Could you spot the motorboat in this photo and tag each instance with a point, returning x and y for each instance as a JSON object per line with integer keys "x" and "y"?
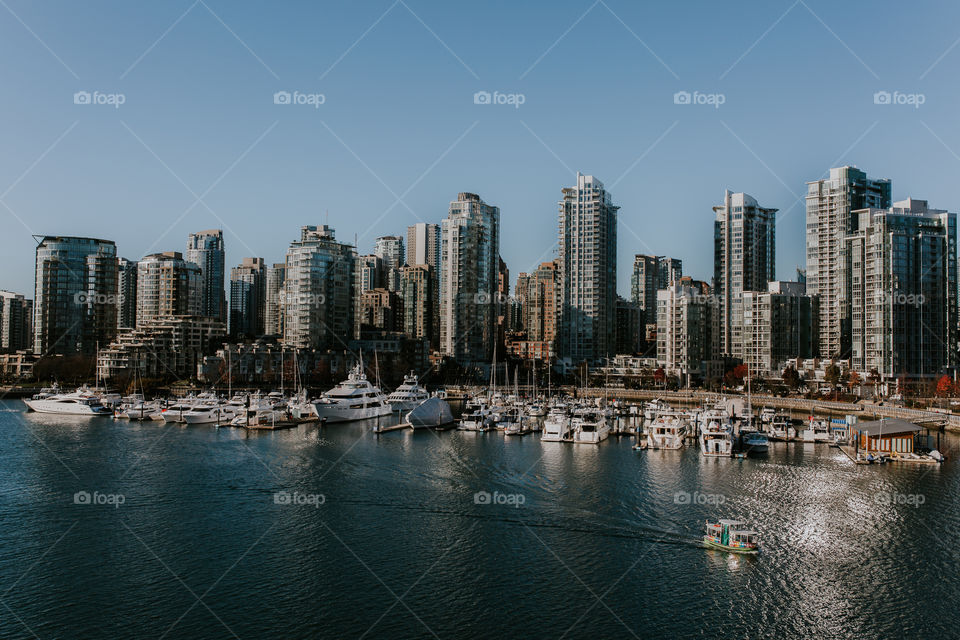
{"x": 754, "y": 442}
{"x": 732, "y": 536}
{"x": 766, "y": 415}
{"x": 353, "y": 399}
{"x": 716, "y": 439}
{"x": 780, "y": 428}
{"x": 74, "y": 404}
{"x": 143, "y": 410}
{"x": 667, "y": 432}
{"x": 589, "y": 427}
{"x": 408, "y": 395}
{"x": 432, "y": 413}
{"x": 816, "y": 431}
{"x": 205, "y": 413}
{"x": 557, "y": 426}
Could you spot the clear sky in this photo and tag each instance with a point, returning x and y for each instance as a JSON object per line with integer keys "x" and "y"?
{"x": 199, "y": 142}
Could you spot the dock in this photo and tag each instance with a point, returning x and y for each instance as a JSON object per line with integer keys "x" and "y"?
{"x": 394, "y": 427}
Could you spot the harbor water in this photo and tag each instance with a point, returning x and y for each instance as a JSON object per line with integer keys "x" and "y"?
{"x": 112, "y": 529}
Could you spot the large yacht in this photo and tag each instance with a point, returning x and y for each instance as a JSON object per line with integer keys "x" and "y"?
{"x": 409, "y": 395}
{"x": 557, "y": 426}
{"x": 667, "y": 432}
{"x": 75, "y": 404}
{"x": 590, "y": 427}
{"x": 353, "y": 399}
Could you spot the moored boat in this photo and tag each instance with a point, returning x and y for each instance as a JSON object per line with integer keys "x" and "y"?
{"x": 432, "y": 413}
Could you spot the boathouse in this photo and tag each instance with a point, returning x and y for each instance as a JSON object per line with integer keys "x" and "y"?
{"x": 890, "y": 435}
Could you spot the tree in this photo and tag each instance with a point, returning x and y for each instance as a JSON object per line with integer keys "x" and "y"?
{"x": 944, "y": 386}
{"x": 791, "y": 378}
{"x": 832, "y": 375}
{"x": 853, "y": 379}
{"x": 659, "y": 375}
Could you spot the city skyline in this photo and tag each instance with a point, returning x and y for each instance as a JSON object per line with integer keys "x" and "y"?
{"x": 299, "y": 164}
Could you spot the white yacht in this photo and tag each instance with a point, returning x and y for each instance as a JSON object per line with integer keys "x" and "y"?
{"x": 210, "y": 413}
{"x": 817, "y": 431}
{"x": 408, "y": 395}
{"x": 667, "y": 432}
{"x": 174, "y": 413}
{"x": 557, "y": 426}
{"x": 143, "y": 410}
{"x": 766, "y": 415}
{"x": 590, "y": 427}
{"x": 716, "y": 439}
{"x": 780, "y": 428}
{"x": 75, "y": 404}
{"x": 353, "y": 399}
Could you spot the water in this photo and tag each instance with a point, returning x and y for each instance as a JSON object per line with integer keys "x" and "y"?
{"x": 601, "y": 546}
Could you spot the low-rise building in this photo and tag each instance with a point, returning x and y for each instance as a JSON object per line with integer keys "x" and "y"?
{"x": 166, "y": 347}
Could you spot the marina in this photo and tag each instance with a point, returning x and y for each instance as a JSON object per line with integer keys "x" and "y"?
{"x": 402, "y": 498}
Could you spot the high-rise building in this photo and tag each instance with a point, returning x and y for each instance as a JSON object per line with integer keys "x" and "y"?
{"x": 75, "y": 295}
{"x": 416, "y": 290}
{"x": 126, "y": 294}
{"x": 686, "y": 323}
{"x": 273, "y": 312}
{"x": 317, "y": 298}
{"x": 628, "y": 327}
{"x": 379, "y": 310}
{"x": 167, "y": 285}
{"x": 16, "y": 316}
{"x": 830, "y": 206}
{"x": 650, "y": 274}
{"x": 470, "y": 254}
{"x": 390, "y": 250}
{"x": 903, "y": 290}
{"x": 423, "y": 244}
{"x": 779, "y": 324}
{"x": 248, "y": 295}
{"x": 423, "y": 247}
{"x": 744, "y": 259}
{"x": 538, "y": 294}
{"x": 588, "y": 267}
{"x": 205, "y": 249}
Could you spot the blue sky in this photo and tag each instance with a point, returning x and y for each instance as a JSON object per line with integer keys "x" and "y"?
{"x": 199, "y": 142}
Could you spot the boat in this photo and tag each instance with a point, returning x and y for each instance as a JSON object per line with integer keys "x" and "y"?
{"x": 557, "y": 426}
{"x": 754, "y": 442}
{"x": 816, "y": 431}
{"x": 732, "y": 536}
{"x": 510, "y": 421}
{"x": 666, "y": 432}
{"x": 353, "y": 399}
{"x": 432, "y": 413}
{"x": 74, "y": 404}
{"x": 766, "y": 415}
{"x": 408, "y": 395}
{"x": 208, "y": 413}
{"x": 175, "y": 411}
{"x": 780, "y": 428}
{"x": 478, "y": 419}
{"x": 716, "y": 440}
{"x": 263, "y": 417}
{"x": 590, "y": 427}
{"x": 144, "y": 410}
